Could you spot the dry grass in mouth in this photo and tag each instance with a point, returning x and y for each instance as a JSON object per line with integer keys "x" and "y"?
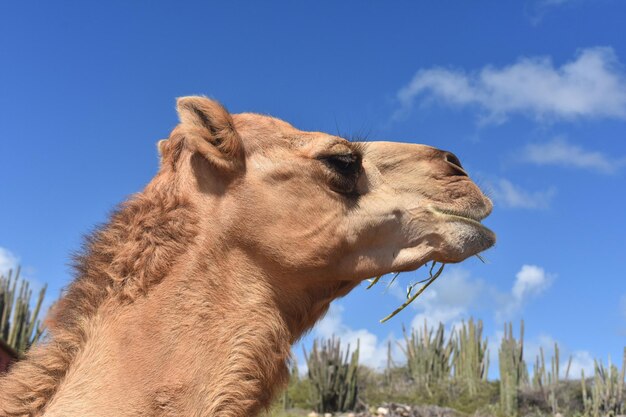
{"x": 410, "y": 296}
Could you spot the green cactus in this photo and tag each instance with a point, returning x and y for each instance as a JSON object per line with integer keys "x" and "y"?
{"x": 548, "y": 381}
{"x": 513, "y": 371}
{"x": 294, "y": 379}
{"x": 429, "y": 356}
{"x": 333, "y": 375}
{"x": 607, "y": 391}
{"x": 389, "y": 366}
{"x": 470, "y": 356}
{"x": 19, "y": 326}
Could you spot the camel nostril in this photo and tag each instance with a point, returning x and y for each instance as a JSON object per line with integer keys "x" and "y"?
{"x": 453, "y": 160}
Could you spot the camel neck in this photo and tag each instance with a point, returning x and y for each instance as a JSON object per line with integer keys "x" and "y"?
{"x": 189, "y": 326}
{"x": 233, "y": 325}
{"x": 228, "y": 340}
{"x": 202, "y": 342}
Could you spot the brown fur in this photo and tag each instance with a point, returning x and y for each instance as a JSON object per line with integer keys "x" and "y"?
{"x": 123, "y": 259}
{"x": 187, "y": 302}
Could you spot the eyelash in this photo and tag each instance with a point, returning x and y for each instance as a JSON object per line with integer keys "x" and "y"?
{"x": 347, "y": 169}
{"x": 346, "y": 164}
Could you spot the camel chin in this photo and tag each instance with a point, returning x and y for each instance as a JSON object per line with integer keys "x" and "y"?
{"x": 463, "y": 235}
{"x": 467, "y": 239}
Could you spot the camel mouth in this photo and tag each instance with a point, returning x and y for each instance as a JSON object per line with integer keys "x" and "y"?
{"x": 471, "y": 217}
{"x": 484, "y": 237}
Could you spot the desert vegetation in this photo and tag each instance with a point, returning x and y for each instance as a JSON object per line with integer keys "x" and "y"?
{"x": 19, "y": 323}
{"x": 445, "y": 373}
{"x": 441, "y": 372}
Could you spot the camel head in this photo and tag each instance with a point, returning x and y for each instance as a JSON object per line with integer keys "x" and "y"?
{"x": 315, "y": 207}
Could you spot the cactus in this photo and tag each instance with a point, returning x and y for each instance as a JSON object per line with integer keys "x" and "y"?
{"x": 294, "y": 379}
{"x": 19, "y": 326}
{"x": 548, "y": 381}
{"x": 513, "y": 371}
{"x": 428, "y": 356}
{"x": 334, "y": 376}
{"x": 607, "y": 391}
{"x": 389, "y": 366}
{"x": 471, "y": 357}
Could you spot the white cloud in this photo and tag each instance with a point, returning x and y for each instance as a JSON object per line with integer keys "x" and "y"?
{"x": 372, "y": 352}
{"x": 532, "y": 347}
{"x": 530, "y": 281}
{"x": 453, "y": 298}
{"x": 8, "y": 261}
{"x": 537, "y": 9}
{"x": 509, "y": 195}
{"x": 455, "y": 289}
{"x": 581, "y": 361}
{"x": 560, "y": 152}
{"x": 449, "y": 316}
{"x": 593, "y": 85}
{"x": 447, "y": 301}
{"x": 457, "y": 295}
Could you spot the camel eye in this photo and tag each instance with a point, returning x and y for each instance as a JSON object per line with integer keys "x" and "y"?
{"x": 344, "y": 164}
{"x": 345, "y": 169}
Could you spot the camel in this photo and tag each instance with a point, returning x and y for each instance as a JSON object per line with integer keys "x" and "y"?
{"x": 187, "y": 302}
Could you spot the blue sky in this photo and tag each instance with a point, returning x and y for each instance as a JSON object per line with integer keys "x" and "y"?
{"x": 531, "y": 95}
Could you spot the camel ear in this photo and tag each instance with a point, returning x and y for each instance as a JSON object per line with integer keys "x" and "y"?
{"x": 210, "y": 131}
{"x": 162, "y": 147}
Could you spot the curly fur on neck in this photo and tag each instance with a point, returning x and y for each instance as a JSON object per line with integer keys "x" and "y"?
{"x": 124, "y": 258}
